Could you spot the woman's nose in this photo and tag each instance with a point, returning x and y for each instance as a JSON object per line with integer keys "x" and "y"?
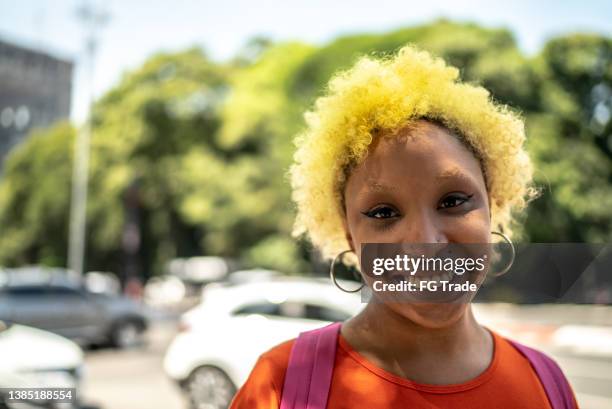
{"x": 423, "y": 227}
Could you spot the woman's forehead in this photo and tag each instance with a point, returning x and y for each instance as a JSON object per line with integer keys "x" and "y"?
{"x": 422, "y": 150}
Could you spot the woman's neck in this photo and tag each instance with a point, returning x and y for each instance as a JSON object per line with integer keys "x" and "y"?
{"x": 451, "y": 354}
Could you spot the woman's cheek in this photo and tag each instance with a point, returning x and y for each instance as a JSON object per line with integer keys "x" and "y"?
{"x": 474, "y": 227}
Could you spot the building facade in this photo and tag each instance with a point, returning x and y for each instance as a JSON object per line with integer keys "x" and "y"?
{"x": 35, "y": 91}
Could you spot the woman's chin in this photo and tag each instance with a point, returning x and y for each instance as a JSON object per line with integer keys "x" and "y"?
{"x": 431, "y": 315}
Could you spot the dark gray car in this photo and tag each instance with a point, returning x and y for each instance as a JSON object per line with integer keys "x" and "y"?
{"x": 75, "y": 313}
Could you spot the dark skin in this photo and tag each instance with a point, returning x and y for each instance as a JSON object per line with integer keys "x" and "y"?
{"x": 421, "y": 186}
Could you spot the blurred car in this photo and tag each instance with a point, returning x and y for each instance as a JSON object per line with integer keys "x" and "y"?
{"x": 248, "y": 276}
{"x": 73, "y": 312}
{"x": 197, "y": 272}
{"x": 164, "y": 291}
{"x": 102, "y": 282}
{"x": 38, "y": 274}
{"x": 33, "y": 358}
{"x": 221, "y": 339}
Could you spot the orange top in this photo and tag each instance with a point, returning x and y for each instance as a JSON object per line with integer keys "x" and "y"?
{"x": 509, "y": 382}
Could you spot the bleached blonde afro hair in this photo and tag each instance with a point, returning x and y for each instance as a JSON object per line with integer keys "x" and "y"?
{"x": 387, "y": 94}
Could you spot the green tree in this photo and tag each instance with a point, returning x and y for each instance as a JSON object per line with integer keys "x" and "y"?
{"x": 205, "y": 147}
{"x": 570, "y": 137}
{"x": 35, "y": 198}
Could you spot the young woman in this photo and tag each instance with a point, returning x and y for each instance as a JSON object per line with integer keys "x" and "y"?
{"x": 400, "y": 151}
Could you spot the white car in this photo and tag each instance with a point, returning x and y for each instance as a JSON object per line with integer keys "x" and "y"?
{"x": 221, "y": 339}
{"x": 33, "y": 358}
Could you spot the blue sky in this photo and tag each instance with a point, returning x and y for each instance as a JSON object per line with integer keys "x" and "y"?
{"x": 138, "y": 28}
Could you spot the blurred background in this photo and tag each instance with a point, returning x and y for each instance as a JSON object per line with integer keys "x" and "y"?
{"x": 145, "y": 209}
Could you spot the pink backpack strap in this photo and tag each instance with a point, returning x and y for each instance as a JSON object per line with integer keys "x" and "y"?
{"x": 310, "y": 368}
{"x": 555, "y": 384}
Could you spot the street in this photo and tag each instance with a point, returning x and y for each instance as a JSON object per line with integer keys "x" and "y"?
{"x": 133, "y": 379}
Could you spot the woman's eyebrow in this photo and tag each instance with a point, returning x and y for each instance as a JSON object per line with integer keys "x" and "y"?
{"x": 375, "y": 186}
{"x": 454, "y": 173}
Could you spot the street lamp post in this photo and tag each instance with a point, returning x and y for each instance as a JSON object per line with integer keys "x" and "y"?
{"x": 92, "y": 20}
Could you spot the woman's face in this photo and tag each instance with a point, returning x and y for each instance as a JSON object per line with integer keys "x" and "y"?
{"x": 420, "y": 186}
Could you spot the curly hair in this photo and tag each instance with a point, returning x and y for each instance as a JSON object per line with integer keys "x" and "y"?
{"x": 382, "y": 95}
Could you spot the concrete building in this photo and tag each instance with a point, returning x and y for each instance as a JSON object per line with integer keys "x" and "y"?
{"x": 35, "y": 90}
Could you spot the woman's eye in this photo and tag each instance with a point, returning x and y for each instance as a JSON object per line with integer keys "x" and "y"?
{"x": 453, "y": 200}
{"x": 382, "y": 212}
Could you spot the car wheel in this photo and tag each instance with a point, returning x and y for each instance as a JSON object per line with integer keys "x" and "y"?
{"x": 126, "y": 334}
{"x": 210, "y": 388}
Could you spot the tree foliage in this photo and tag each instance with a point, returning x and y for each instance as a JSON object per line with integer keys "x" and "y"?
{"x": 206, "y": 147}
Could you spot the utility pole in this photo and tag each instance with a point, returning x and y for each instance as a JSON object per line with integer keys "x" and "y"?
{"x": 92, "y": 20}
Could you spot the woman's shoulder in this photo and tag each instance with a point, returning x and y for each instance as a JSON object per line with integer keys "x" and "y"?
{"x": 546, "y": 369}
{"x": 272, "y": 363}
{"x": 514, "y": 356}
{"x": 541, "y": 363}
{"x": 528, "y": 352}
{"x": 263, "y": 387}
{"x": 279, "y": 353}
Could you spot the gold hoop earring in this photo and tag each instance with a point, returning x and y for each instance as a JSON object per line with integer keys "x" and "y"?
{"x": 332, "y": 274}
{"x": 513, "y": 251}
